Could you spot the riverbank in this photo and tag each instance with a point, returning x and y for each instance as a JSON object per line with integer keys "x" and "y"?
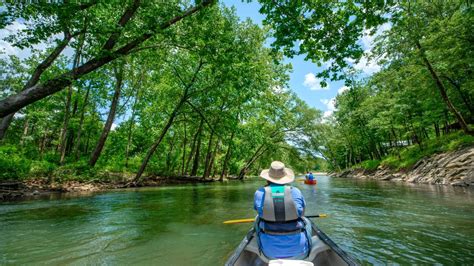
{"x": 17, "y": 190}
{"x": 454, "y": 168}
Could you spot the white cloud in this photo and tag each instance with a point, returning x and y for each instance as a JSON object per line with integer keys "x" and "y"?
{"x": 13, "y": 29}
{"x": 327, "y": 114}
{"x": 342, "y": 89}
{"x": 367, "y": 66}
{"x": 313, "y": 83}
{"x": 113, "y": 127}
{"x": 327, "y": 64}
{"x": 367, "y": 40}
{"x": 331, "y": 107}
{"x": 330, "y": 103}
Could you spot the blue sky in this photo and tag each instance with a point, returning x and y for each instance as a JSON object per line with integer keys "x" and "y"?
{"x": 302, "y": 79}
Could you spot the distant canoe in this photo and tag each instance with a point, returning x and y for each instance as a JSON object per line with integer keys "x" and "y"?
{"x": 310, "y": 182}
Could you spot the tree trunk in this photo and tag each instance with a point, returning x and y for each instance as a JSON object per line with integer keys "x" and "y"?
{"x": 252, "y": 159}
{"x": 227, "y": 158}
{"x": 193, "y": 145}
{"x": 446, "y": 122}
{"x": 437, "y": 132}
{"x": 181, "y": 102}
{"x": 62, "y": 139}
{"x": 208, "y": 156}
{"x": 88, "y": 139}
{"x": 45, "y": 64}
{"x": 6, "y": 121}
{"x": 211, "y": 163}
{"x": 160, "y": 138}
{"x": 110, "y": 118}
{"x": 39, "y": 91}
{"x": 195, "y": 168}
{"x": 81, "y": 123}
{"x": 168, "y": 156}
{"x": 25, "y": 132}
{"x": 464, "y": 96}
{"x": 185, "y": 140}
{"x": 130, "y": 129}
{"x": 443, "y": 92}
{"x": 43, "y": 144}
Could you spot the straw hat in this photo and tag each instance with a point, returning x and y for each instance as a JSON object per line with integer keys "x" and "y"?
{"x": 278, "y": 174}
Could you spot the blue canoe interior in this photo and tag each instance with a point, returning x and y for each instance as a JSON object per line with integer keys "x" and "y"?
{"x": 323, "y": 252}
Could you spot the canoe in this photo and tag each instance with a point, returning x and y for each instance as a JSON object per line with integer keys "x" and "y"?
{"x": 323, "y": 252}
{"x": 310, "y": 182}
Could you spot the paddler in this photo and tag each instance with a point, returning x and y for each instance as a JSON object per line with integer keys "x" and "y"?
{"x": 310, "y": 176}
{"x": 282, "y": 231}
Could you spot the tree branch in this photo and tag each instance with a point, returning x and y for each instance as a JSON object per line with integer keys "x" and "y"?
{"x": 48, "y": 61}
{"x": 37, "y": 92}
{"x": 127, "y": 15}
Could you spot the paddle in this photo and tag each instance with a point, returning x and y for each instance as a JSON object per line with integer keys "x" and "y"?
{"x": 251, "y": 220}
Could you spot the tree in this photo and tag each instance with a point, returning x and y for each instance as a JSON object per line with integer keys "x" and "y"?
{"x": 137, "y": 32}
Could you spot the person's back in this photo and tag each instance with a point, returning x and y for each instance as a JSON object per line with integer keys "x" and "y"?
{"x": 280, "y": 208}
{"x": 311, "y": 176}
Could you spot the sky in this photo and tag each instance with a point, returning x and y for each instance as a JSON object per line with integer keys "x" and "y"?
{"x": 302, "y": 79}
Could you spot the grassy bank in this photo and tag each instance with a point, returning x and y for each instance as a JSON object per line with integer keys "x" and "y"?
{"x": 405, "y": 158}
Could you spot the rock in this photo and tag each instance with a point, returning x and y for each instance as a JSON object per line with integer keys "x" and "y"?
{"x": 36, "y": 192}
{"x": 455, "y": 164}
{"x": 459, "y": 184}
{"x": 387, "y": 177}
{"x": 455, "y": 168}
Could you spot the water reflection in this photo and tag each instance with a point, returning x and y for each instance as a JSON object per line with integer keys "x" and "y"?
{"x": 378, "y": 222}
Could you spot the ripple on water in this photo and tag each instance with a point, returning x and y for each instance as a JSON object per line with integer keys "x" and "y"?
{"x": 377, "y": 222}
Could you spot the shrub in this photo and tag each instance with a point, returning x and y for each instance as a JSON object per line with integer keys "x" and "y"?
{"x": 42, "y": 168}
{"x": 12, "y": 164}
{"x": 369, "y": 164}
{"x": 409, "y": 156}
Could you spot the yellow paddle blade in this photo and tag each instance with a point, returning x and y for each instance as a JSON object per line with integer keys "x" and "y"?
{"x": 323, "y": 215}
{"x": 248, "y": 220}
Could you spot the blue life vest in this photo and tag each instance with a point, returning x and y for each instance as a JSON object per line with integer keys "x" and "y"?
{"x": 280, "y": 218}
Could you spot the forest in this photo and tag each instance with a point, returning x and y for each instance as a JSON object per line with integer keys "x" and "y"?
{"x": 184, "y": 89}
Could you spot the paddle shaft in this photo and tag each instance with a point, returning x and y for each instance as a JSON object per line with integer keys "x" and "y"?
{"x": 251, "y": 220}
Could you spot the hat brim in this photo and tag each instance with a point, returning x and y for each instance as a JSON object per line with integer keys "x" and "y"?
{"x": 287, "y": 178}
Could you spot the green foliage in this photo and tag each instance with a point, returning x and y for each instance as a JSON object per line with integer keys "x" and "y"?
{"x": 368, "y": 165}
{"x": 42, "y": 169}
{"x": 12, "y": 165}
{"x": 411, "y": 155}
{"x": 206, "y": 96}
{"x": 323, "y": 31}
{"x": 423, "y": 92}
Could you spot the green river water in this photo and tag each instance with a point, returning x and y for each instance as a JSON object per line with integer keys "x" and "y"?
{"x": 376, "y": 222}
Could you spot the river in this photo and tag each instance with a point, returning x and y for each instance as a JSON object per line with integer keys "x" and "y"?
{"x": 376, "y": 222}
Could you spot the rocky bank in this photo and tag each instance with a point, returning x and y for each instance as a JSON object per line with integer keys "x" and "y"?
{"x": 450, "y": 168}
{"x": 36, "y": 188}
